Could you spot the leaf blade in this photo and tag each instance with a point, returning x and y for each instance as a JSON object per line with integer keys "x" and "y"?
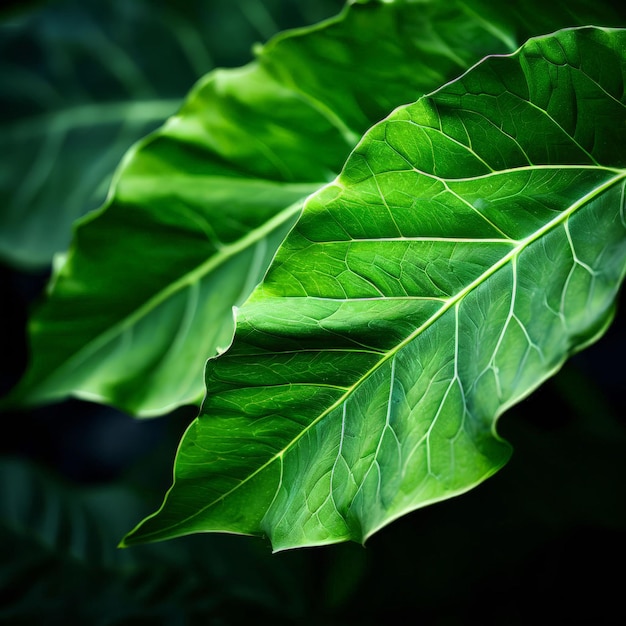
{"x": 74, "y": 101}
{"x": 369, "y": 368}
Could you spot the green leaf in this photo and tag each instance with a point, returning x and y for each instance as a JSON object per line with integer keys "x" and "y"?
{"x": 473, "y": 241}
{"x": 198, "y": 209}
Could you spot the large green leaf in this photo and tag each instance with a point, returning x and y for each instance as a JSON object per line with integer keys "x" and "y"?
{"x": 473, "y": 241}
{"x": 198, "y": 209}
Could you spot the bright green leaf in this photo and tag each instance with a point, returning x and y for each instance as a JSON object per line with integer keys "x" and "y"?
{"x": 473, "y": 241}
{"x": 198, "y": 209}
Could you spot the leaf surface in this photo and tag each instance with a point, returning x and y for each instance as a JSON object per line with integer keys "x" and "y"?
{"x": 198, "y": 209}
{"x": 473, "y": 241}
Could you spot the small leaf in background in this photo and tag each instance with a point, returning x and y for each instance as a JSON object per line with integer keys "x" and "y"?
{"x": 473, "y": 241}
{"x": 198, "y": 209}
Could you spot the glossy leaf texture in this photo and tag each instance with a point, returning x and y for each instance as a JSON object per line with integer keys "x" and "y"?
{"x": 473, "y": 241}
{"x": 198, "y": 209}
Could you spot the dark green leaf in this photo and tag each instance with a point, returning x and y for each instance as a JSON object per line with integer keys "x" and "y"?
{"x": 78, "y": 87}
{"x": 60, "y": 563}
{"x": 82, "y": 81}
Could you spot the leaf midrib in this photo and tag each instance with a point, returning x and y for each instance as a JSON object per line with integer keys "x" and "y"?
{"x": 451, "y": 302}
{"x": 195, "y": 275}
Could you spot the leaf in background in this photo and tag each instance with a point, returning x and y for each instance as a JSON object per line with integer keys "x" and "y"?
{"x": 198, "y": 209}
{"x": 473, "y": 241}
{"x": 79, "y": 87}
{"x": 60, "y": 564}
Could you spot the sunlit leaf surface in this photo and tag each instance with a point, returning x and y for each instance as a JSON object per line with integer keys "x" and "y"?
{"x": 474, "y": 240}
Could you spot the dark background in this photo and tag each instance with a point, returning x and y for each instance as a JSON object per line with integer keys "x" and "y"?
{"x": 542, "y": 542}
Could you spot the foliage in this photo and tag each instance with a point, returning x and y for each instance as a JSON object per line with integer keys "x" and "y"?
{"x": 78, "y": 88}
{"x": 199, "y": 207}
{"x": 472, "y": 241}
{"x": 463, "y": 253}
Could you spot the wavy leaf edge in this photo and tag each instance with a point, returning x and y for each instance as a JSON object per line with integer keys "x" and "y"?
{"x": 617, "y": 177}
